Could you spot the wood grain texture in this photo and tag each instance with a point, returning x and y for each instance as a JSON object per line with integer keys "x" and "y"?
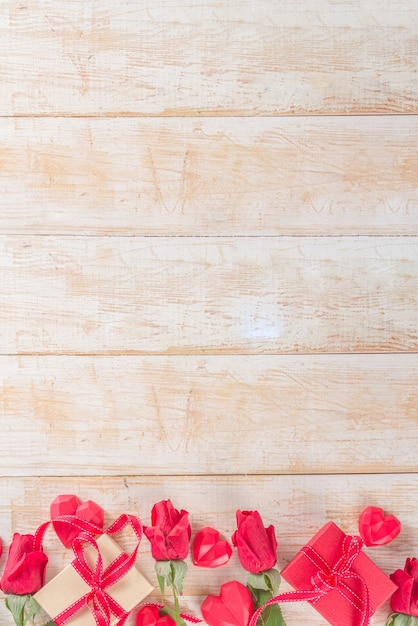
{"x": 215, "y": 295}
{"x": 202, "y": 57}
{"x": 297, "y": 505}
{"x": 209, "y": 268}
{"x": 212, "y": 176}
{"x": 180, "y": 415}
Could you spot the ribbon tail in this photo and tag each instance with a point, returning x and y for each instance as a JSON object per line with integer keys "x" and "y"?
{"x": 70, "y": 611}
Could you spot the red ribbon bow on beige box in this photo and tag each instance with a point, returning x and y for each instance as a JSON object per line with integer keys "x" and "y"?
{"x": 102, "y": 585}
{"x": 327, "y": 579}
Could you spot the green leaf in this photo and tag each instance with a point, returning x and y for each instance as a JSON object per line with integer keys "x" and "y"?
{"x": 163, "y": 570}
{"x": 258, "y": 581}
{"x": 260, "y": 596}
{"x": 264, "y": 586}
{"x": 271, "y": 616}
{"x": 273, "y": 580}
{"x": 16, "y": 606}
{"x": 32, "y": 608}
{"x": 178, "y": 573}
{"x": 161, "y": 580}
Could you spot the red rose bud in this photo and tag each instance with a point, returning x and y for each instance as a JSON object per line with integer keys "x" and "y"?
{"x": 169, "y": 533}
{"x": 256, "y": 545}
{"x": 233, "y": 607}
{"x": 209, "y": 550}
{"x": 25, "y": 567}
{"x": 150, "y": 616}
{"x": 405, "y": 598}
{"x": 377, "y": 529}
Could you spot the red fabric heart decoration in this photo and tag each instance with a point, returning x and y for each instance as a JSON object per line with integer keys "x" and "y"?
{"x": 233, "y": 607}
{"x": 209, "y": 550}
{"x": 70, "y": 505}
{"x": 377, "y": 529}
{"x": 150, "y": 616}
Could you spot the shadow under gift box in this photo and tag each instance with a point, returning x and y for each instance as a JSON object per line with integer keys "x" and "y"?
{"x": 339, "y": 606}
{"x": 68, "y": 587}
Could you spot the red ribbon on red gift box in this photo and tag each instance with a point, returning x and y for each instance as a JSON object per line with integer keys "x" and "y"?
{"x": 327, "y": 579}
{"x": 101, "y": 604}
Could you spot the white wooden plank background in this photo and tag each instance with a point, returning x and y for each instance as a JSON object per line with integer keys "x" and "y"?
{"x": 306, "y": 413}
{"x": 202, "y": 56}
{"x": 208, "y": 265}
{"x": 217, "y": 295}
{"x": 212, "y": 176}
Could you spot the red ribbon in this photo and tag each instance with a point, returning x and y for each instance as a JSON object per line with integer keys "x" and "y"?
{"x": 100, "y": 603}
{"x": 327, "y": 579}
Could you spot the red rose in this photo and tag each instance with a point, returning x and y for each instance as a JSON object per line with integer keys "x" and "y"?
{"x": 25, "y": 567}
{"x": 405, "y": 598}
{"x": 256, "y": 545}
{"x": 169, "y": 532}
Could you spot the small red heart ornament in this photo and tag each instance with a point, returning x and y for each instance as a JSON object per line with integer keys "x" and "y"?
{"x": 69, "y": 504}
{"x": 150, "y": 616}
{"x": 209, "y": 550}
{"x": 233, "y": 607}
{"x": 376, "y": 528}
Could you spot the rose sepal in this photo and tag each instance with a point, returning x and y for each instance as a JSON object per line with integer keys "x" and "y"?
{"x": 23, "y": 609}
{"x": 267, "y": 581}
{"x": 401, "y": 619}
{"x": 264, "y": 587}
{"x": 172, "y": 574}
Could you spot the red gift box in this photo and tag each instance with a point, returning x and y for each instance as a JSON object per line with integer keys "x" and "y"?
{"x": 349, "y": 586}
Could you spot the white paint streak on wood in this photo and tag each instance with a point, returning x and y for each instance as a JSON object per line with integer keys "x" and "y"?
{"x": 182, "y": 176}
{"x": 216, "y": 295}
{"x": 200, "y": 57}
{"x": 180, "y": 415}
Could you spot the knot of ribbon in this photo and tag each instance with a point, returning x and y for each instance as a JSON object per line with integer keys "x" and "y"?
{"x": 328, "y": 579}
{"x": 325, "y": 579}
{"x": 101, "y": 604}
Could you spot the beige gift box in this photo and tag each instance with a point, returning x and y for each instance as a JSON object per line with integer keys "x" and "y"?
{"x": 67, "y": 587}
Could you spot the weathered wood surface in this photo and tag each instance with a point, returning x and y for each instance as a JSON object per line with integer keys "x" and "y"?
{"x": 83, "y": 295}
{"x": 207, "y": 220}
{"x": 180, "y": 414}
{"x": 212, "y": 176}
{"x": 154, "y": 57}
{"x": 297, "y": 505}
